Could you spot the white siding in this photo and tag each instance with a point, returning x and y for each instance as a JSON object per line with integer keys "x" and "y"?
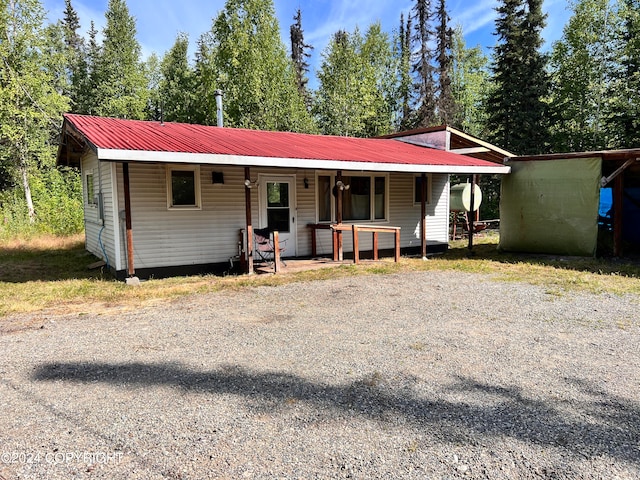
{"x": 163, "y": 237}
{"x": 95, "y": 229}
{"x": 403, "y": 212}
{"x": 92, "y": 224}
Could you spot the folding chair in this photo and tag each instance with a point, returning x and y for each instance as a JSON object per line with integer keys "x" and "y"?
{"x": 264, "y": 245}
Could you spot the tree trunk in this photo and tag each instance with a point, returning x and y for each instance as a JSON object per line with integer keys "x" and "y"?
{"x": 27, "y": 191}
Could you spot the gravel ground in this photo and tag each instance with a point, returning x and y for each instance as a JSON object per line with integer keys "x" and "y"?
{"x": 426, "y": 375}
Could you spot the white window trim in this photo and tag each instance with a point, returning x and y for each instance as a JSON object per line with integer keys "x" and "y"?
{"x": 184, "y": 168}
{"x": 429, "y": 189}
{"x": 372, "y": 176}
{"x": 90, "y": 202}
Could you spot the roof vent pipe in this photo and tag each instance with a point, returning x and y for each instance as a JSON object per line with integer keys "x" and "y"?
{"x": 218, "y": 95}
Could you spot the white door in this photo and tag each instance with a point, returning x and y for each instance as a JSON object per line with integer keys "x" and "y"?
{"x": 278, "y": 209}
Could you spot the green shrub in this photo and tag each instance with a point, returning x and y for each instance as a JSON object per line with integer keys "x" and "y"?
{"x": 57, "y": 199}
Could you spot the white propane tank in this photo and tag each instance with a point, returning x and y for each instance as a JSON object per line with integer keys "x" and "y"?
{"x": 460, "y": 197}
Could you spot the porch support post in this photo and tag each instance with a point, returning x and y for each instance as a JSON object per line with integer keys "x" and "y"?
{"x": 618, "y": 201}
{"x": 375, "y": 245}
{"x": 423, "y": 215}
{"x": 472, "y": 214}
{"x": 339, "y": 215}
{"x": 131, "y": 271}
{"x": 276, "y": 251}
{"x": 356, "y": 244}
{"x": 249, "y": 229}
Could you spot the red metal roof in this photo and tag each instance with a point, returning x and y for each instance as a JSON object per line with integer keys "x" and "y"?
{"x": 134, "y": 135}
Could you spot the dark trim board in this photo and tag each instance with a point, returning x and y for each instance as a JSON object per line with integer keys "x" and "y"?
{"x": 432, "y": 249}
{"x": 182, "y": 271}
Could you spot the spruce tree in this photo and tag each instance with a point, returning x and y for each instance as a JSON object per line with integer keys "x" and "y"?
{"x": 88, "y": 99}
{"x": 518, "y": 114}
{"x": 425, "y": 86}
{"x": 405, "y": 84}
{"x": 121, "y": 86}
{"x": 445, "y": 103}
{"x": 71, "y": 23}
{"x": 78, "y": 64}
{"x": 299, "y": 56}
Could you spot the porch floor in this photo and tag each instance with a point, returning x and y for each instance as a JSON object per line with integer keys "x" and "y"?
{"x": 294, "y": 265}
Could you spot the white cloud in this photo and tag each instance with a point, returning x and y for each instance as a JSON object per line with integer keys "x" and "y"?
{"x": 476, "y": 17}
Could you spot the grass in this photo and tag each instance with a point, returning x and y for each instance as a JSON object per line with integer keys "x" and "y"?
{"x": 49, "y": 274}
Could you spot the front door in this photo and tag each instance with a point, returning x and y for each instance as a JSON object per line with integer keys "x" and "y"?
{"x": 278, "y": 209}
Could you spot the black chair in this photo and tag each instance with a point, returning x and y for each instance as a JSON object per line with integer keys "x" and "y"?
{"x": 264, "y": 246}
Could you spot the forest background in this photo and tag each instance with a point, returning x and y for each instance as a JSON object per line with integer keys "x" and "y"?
{"x": 582, "y": 94}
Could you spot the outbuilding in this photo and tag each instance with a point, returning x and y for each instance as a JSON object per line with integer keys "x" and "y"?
{"x": 162, "y": 198}
{"x": 579, "y": 203}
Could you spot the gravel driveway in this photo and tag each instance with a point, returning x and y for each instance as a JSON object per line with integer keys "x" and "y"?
{"x": 425, "y": 375}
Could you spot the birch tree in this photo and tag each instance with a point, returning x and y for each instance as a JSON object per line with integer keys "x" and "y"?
{"x": 243, "y": 55}
{"x": 30, "y": 106}
{"x": 176, "y": 84}
{"x": 581, "y": 62}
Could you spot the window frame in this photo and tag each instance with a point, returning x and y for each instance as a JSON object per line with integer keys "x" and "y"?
{"x": 332, "y": 181}
{"x": 415, "y": 192}
{"x": 91, "y": 197}
{"x": 197, "y": 190}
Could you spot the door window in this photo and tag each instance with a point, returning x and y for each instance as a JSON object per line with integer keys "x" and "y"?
{"x": 278, "y": 207}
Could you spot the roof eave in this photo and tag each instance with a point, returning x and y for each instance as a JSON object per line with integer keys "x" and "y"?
{"x": 145, "y": 156}
{"x": 70, "y": 135}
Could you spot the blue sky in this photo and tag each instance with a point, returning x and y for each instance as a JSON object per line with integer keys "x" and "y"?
{"x": 159, "y": 21}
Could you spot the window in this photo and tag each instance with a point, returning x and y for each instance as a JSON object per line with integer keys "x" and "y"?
{"x": 183, "y": 187}
{"x": 90, "y": 188}
{"x": 278, "y": 208}
{"x": 417, "y": 190}
{"x": 324, "y": 198}
{"x": 364, "y": 199}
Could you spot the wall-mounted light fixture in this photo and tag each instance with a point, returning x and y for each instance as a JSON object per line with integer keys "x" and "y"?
{"x": 249, "y": 184}
{"x": 342, "y": 186}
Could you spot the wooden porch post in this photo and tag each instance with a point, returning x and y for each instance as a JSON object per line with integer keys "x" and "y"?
{"x": 127, "y": 215}
{"x": 247, "y": 203}
{"x": 618, "y": 201}
{"x": 423, "y": 215}
{"x": 356, "y": 244}
{"x": 338, "y": 233}
{"x": 276, "y": 251}
{"x": 471, "y": 219}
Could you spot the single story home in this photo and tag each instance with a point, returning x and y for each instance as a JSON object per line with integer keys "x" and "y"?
{"x": 579, "y": 203}
{"x": 162, "y": 198}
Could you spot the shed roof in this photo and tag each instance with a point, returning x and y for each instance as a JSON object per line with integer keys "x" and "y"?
{"x": 457, "y": 141}
{"x": 166, "y": 142}
{"x": 606, "y": 155}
